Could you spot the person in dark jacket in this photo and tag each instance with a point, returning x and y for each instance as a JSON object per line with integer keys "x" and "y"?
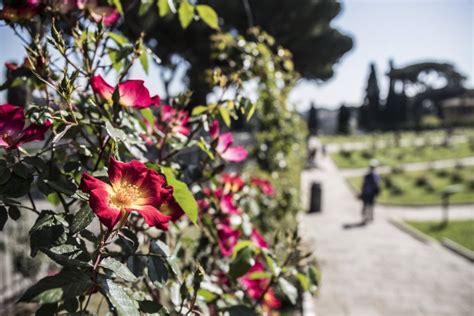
{"x": 370, "y": 190}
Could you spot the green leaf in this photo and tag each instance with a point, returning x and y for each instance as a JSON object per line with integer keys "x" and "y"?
{"x": 198, "y": 110}
{"x": 144, "y": 59}
{"x": 159, "y": 247}
{"x": 118, "y": 6}
{"x": 62, "y": 286}
{"x": 241, "y": 310}
{"x": 208, "y": 15}
{"x": 145, "y": 6}
{"x": 128, "y": 241}
{"x": 163, "y": 7}
{"x": 289, "y": 290}
{"x": 182, "y": 195}
{"x": 205, "y": 148}
{"x": 49, "y": 230}
{"x": 3, "y": 217}
{"x": 14, "y": 212}
{"x": 118, "y": 268}
{"x": 4, "y": 172}
{"x": 314, "y": 275}
{"x": 260, "y": 275}
{"x": 117, "y": 134}
{"x": 117, "y": 38}
{"x": 16, "y": 186}
{"x": 304, "y": 280}
{"x": 21, "y": 170}
{"x": 242, "y": 263}
{"x": 136, "y": 264}
{"x": 62, "y": 184}
{"x": 149, "y": 307}
{"x": 119, "y": 299}
{"x": 207, "y": 295}
{"x": 65, "y": 260}
{"x": 241, "y": 245}
{"x": 81, "y": 219}
{"x": 186, "y": 13}
{"x": 250, "y": 111}
{"x": 148, "y": 115}
{"x": 224, "y": 112}
{"x": 157, "y": 270}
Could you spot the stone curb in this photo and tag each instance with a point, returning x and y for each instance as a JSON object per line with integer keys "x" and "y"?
{"x": 412, "y": 231}
{"x": 458, "y": 249}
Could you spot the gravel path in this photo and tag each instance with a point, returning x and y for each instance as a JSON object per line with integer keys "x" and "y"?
{"x": 378, "y": 269}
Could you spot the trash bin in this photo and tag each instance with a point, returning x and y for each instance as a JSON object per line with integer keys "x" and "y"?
{"x": 315, "y": 198}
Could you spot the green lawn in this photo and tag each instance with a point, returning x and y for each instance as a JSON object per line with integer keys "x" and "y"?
{"x": 461, "y": 232}
{"x": 402, "y": 189}
{"x": 389, "y": 136}
{"x": 393, "y": 156}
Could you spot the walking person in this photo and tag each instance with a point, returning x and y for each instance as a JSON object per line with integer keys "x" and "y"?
{"x": 370, "y": 190}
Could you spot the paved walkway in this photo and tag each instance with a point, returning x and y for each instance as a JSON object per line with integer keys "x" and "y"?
{"x": 378, "y": 269}
{"x": 414, "y": 166}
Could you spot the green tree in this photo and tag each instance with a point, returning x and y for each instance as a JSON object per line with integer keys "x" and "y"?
{"x": 343, "y": 118}
{"x": 302, "y": 26}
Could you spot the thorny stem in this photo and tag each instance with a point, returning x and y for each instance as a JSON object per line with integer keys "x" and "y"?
{"x": 95, "y": 269}
{"x": 106, "y": 142}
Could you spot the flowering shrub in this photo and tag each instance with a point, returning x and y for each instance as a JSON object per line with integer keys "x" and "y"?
{"x": 141, "y": 214}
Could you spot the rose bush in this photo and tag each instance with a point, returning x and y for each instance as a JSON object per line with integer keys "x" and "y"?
{"x": 143, "y": 217}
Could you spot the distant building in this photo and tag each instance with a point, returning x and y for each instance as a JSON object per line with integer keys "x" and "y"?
{"x": 459, "y": 110}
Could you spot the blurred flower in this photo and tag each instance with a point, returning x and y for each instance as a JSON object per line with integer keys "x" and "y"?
{"x": 232, "y": 182}
{"x": 11, "y": 66}
{"x": 264, "y": 185}
{"x": 258, "y": 239}
{"x": 173, "y": 120}
{"x": 132, "y": 93}
{"x": 19, "y": 10}
{"x": 227, "y": 237}
{"x": 133, "y": 188}
{"x": 226, "y": 203}
{"x": 12, "y": 127}
{"x": 108, "y": 15}
{"x": 255, "y": 287}
{"x": 224, "y": 143}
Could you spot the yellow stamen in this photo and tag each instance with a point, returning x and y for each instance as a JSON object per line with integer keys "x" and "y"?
{"x": 124, "y": 195}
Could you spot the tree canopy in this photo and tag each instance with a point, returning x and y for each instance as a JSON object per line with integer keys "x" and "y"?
{"x": 302, "y": 26}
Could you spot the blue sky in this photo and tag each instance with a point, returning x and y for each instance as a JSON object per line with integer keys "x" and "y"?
{"x": 405, "y": 30}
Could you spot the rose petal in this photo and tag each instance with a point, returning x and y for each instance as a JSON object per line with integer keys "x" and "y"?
{"x": 34, "y": 132}
{"x": 258, "y": 239}
{"x": 108, "y": 15}
{"x": 12, "y": 118}
{"x": 102, "y": 88}
{"x": 154, "y": 188}
{"x": 89, "y": 183}
{"x": 133, "y": 172}
{"x": 235, "y": 154}
{"x": 227, "y": 205}
{"x": 214, "y": 129}
{"x": 152, "y": 216}
{"x": 134, "y": 94}
{"x": 99, "y": 203}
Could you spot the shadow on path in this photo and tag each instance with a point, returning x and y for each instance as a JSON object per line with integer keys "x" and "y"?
{"x": 355, "y": 225}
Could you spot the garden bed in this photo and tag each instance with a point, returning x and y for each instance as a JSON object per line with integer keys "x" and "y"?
{"x": 392, "y": 156}
{"x": 459, "y": 231}
{"x": 423, "y": 187}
